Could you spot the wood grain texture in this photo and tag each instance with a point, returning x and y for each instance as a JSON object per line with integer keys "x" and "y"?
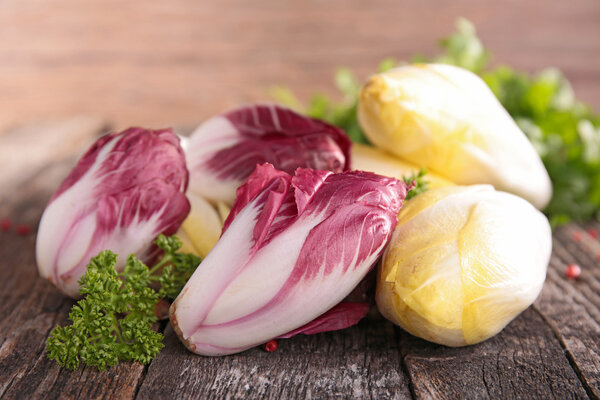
{"x": 572, "y": 308}
{"x": 360, "y": 362}
{"x": 181, "y": 61}
{"x": 525, "y": 361}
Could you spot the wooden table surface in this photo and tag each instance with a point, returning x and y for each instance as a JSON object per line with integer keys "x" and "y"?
{"x": 176, "y": 63}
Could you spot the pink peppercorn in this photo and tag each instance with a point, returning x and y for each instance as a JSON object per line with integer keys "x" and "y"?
{"x": 573, "y": 271}
{"x": 23, "y": 230}
{"x": 270, "y": 346}
{"x": 5, "y": 224}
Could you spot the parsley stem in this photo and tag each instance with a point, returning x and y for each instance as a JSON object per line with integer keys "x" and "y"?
{"x": 116, "y": 327}
{"x": 166, "y": 258}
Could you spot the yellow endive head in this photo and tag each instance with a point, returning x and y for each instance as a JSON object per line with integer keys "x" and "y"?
{"x": 371, "y": 159}
{"x": 462, "y": 263}
{"x": 447, "y": 119}
{"x": 202, "y": 228}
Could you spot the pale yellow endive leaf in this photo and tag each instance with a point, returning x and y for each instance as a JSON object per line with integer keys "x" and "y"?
{"x": 201, "y": 229}
{"x": 371, "y": 159}
{"x": 446, "y": 119}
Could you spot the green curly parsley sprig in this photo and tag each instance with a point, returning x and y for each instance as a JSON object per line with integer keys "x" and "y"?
{"x": 419, "y": 183}
{"x": 113, "y": 321}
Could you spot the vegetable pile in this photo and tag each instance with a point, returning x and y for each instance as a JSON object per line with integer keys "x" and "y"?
{"x": 285, "y": 217}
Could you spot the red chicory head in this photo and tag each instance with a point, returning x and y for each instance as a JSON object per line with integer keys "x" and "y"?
{"x": 128, "y": 188}
{"x": 293, "y": 247}
{"x": 224, "y": 150}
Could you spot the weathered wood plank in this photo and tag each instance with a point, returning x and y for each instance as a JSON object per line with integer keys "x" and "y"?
{"x": 360, "y": 362}
{"x": 524, "y": 361}
{"x": 572, "y": 307}
{"x": 26, "y": 329}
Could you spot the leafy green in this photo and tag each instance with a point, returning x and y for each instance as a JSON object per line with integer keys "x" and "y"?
{"x": 178, "y": 267}
{"x": 419, "y": 183}
{"x": 564, "y": 131}
{"x": 114, "y": 319}
{"x": 463, "y": 48}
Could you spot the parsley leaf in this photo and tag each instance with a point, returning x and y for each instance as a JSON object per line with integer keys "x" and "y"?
{"x": 419, "y": 184}
{"x": 113, "y": 321}
{"x": 178, "y": 267}
{"x": 464, "y": 49}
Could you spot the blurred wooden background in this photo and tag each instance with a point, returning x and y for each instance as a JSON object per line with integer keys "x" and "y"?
{"x": 178, "y": 62}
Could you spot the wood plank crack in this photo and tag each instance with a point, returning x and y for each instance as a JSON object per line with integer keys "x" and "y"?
{"x": 588, "y": 389}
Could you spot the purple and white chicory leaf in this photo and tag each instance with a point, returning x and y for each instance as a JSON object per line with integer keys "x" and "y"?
{"x": 224, "y": 150}
{"x": 127, "y": 189}
{"x": 291, "y": 250}
{"x": 341, "y": 316}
